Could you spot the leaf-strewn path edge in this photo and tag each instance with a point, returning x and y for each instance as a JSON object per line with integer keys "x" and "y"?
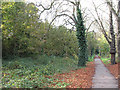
{"x": 81, "y": 78}
{"x": 114, "y": 70}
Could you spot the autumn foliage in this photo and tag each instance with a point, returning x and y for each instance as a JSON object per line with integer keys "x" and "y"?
{"x": 81, "y": 78}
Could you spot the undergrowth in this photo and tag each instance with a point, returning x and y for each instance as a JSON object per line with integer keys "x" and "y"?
{"x": 106, "y": 60}
{"x": 32, "y": 72}
{"x": 90, "y": 59}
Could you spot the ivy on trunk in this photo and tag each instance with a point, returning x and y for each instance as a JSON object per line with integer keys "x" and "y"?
{"x": 81, "y": 38}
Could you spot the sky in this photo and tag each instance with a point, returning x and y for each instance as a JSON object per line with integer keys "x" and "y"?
{"x": 88, "y": 4}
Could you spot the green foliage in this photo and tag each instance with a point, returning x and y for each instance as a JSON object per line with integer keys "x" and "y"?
{"x": 104, "y": 47}
{"x": 15, "y": 22}
{"x": 29, "y": 72}
{"x": 31, "y": 52}
{"x": 92, "y": 43}
{"x": 106, "y": 60}
{"x": 90, "y": 59}
{"x": 23, "y": 34}
{"x": 61, "y": 42}
{"x": 29, "y": 36}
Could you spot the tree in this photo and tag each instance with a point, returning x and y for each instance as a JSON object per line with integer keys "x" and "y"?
{"x": 112, "y": 43}
{"x": 103, "y": 45}
{"x": 18, "y": 25}
{"x": 80, "y": 28}
{"x": 118, "y": 36}
{"x": 43, "y": 8}
{"x": 81, "y": 38}
{"x": 91, "y": 42}
{"x": 12, "y": 17}
{"x": 117, "y": 15}
{"x": 0, "y": 31}
{"x": 111, "y": 40}
{"x": 60, "y": 42}
{"x": 31, "y": 36}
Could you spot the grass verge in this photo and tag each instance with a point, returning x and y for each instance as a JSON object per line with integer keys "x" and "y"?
{"x": 105, "y": 60}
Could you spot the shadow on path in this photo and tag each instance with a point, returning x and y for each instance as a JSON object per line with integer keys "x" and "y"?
{"x": 103, "y": 78}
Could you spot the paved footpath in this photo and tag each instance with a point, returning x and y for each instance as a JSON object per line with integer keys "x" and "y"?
{"x": 102, "y": 77}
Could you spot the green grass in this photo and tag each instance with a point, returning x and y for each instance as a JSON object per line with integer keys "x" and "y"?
{"x": 106, "y": 60}
{"x": 90, "y": 59}
{"x": 30, "y": 72}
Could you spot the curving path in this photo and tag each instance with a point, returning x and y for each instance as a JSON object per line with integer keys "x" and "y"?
{"x": 103, "y": 78}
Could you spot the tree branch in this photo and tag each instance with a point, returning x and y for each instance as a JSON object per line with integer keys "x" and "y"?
{"x": 90, "y": 25}
{"x": 113, "y": 10}
{"x": 99, "y": 22}
{"x": 60, "y": 16}
{"x": 71, "y": 2}
{"x": 44, "y": 8}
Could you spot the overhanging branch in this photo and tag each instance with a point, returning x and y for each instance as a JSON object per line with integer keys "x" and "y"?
{"x": 44, "y": 8}
{"x": 113, "y": 10}
{"x": 60, "y": 16}
{"x": 99, "y": 22}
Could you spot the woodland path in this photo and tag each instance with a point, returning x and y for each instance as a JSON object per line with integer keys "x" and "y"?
{"x": 103, "y": 78}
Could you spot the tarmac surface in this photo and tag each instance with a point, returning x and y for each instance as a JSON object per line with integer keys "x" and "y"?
{"x": 103, "y": 78}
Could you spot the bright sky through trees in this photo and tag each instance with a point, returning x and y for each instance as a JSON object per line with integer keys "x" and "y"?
{"x": 85, "y": 4}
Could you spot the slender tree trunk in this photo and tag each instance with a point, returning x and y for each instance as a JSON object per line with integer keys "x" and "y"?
{"x": 118, "y": 44}
{"x": 0, "y": 32}
{"x": 118, "y": 36}
{"x": 112, "y": 44}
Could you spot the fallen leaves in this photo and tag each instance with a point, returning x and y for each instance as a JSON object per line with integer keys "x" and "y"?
{"x": 114, "y": 70}
{"x": 81, "y": 78}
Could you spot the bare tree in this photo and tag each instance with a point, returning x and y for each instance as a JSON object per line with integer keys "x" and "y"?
{"x": 117, "y": 15}
{"x": 78, "y": 22}
{"x": 112, "y": 44}
{"x": 111, "y": 40}
{"x": 69, "y": 15}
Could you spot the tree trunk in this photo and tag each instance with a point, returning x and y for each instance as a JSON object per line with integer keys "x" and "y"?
{"x": 0, "y": 34}
{"x": 117, "y": 15}
{"x": 81, "y": 39}
{"x": 112, "y": 44}
{"x": 113, "y": 59}
{"x": 118, "y": 35}
{"x": 113, "y": 53}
